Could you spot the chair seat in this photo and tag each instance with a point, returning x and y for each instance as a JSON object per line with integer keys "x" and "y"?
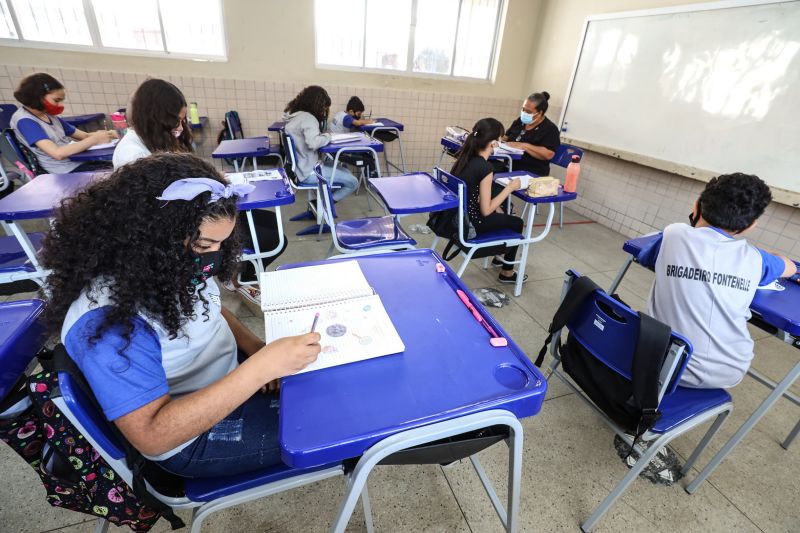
{"x": 207, "y": 489}
{"x": 684, "y": 403}
{"x": 13, "y": 258}
{"x": 363, "y": 233}
{"x": 248, "y": 251}
{"x": 499, "y": 235}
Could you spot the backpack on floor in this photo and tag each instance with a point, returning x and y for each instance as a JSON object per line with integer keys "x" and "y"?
{"x": 444, "y": 224}
{"x": 633, "y": 404}
{"x": 73, "y": 473}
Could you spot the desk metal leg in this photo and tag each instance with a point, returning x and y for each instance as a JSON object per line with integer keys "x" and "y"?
{"x": 620, "y": 274}
{"x": 791, "y": 437}
{"x": 780, "y": 389}
{"x": 39, "y": 273}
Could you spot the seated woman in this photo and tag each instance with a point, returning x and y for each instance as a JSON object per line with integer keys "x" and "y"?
{"x": 305, "y": 117}
{"x": 483, "y": 209}
{"x": 134, "y": 301}
{"x": 534, "y": 133}
{"x": 51, "y": 139}
{"x": 157, "y": 116}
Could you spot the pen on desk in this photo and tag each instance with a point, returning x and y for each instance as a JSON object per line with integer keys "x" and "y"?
{"x": 314, "y": 324}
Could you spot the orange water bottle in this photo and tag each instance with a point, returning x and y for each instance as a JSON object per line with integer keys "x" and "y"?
{"x": 573, "y": 170}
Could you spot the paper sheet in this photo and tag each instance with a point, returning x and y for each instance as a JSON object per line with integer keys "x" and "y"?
{"x": 253, "y": 176}
{"x": 312, "y": 285}
{"x": 506, "y": 149}
{"x": 103, "y": 145}
{"x": 337, "y": 138}
{"x": 523, "y": 179}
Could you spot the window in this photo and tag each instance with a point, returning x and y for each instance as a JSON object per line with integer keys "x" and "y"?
{"x": 182, "y": 28}
{"x": 439, "y": 37}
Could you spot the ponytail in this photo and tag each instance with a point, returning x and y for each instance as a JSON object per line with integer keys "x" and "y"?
{"x": 483, "y": 132}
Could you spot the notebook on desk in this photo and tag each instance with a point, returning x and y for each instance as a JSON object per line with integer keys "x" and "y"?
{"x": 103, "y": 146}
{"x": 502, "y": 149}
{"x": 338, "y": 138}
{"x": 352, "y": 321}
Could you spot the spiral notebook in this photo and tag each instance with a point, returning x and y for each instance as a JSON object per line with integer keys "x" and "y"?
{"x": 352, "y": 322}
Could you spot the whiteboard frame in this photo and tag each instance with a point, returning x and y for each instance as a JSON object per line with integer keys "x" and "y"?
{"x": 779, "y": 195}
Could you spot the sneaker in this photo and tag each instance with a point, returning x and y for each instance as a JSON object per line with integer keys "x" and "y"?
{"x": 664, "y": 467}
{"x": 497, "y": 262}
{"x": 511, "y": 279}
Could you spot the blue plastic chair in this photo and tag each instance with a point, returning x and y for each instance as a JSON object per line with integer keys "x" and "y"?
{"x": 21, "y": 338}
{"x": 6, "y": 112}
{"x": 361, "y": 236}
{"x": 14, "y": 262}
{"x": 205, "y": 495}
{"x": 504, "y": 237}
{"x": 682, "y": 408}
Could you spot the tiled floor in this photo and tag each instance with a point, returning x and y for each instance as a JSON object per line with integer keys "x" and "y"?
{"x": 569, "y": 464}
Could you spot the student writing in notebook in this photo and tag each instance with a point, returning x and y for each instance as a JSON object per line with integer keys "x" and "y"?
{"x": 50, "y": 138}
{"x": 484, "y": 208}
{"x": 306, "y": 120}
{"x": 157, "y": 116}
{"x": 348, "y": 121}
{"x": 134, "y": 301}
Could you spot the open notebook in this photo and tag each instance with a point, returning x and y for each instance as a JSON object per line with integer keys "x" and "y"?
{"x": 337, "y": 138}
{"x": 352, "y": 321}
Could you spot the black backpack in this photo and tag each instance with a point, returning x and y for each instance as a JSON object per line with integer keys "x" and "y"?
{"x": 633, "y": 404}
{"x": 445, "y": 225}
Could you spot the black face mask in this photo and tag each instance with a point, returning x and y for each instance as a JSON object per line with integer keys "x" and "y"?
{"x": 207, "y": 265}
{"x": 694, "y": 218}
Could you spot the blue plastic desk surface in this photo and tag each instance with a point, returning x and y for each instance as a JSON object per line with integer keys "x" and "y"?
{"x": 38, "y": 197}
{"x": 387, "y": 123}
{"x": 451, "y": 145}
{"x": 20, "y": 339}
{"x": 251, "y": 147}
{"x": 268, "y": 193}
{"x": 102, "y": 154}
{"x": 80, "y": 120}
{"x": 413, "y": 193}
{"x": 448, "y": 369}
{"x": 364, "y": 142}
{"x": 276, "y": 126}
{"x": 523, "y": 195}
{"x": 780, "y": 309}
{"x": 199, "y": 125}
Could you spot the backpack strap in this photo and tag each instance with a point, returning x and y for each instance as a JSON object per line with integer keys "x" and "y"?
{"x": 62, "y": 362}
{"x": 451, "y": 250}
{"x": 580, "y": 289}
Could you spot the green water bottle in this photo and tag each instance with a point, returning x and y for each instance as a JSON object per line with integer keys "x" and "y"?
{"x": 194, "y": 115}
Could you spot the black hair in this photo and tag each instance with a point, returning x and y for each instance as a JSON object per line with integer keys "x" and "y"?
{"x": 117, "y": 230}
{"x": 32, "y": 89}
{"x": 313, "y": 99}
{"x": 733, "y": 202}
{"x": 155, "y": 111}
{"x": 540, "y": 100}
{"x": 483, "y": 132}
{"x": 355, "y": 104}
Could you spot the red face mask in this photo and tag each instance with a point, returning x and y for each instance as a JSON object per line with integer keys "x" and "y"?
{"x": 52, "y": 109}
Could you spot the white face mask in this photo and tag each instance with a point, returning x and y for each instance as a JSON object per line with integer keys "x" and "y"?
{"x": 177, "y": 132}
{"x": 525, "y": 118}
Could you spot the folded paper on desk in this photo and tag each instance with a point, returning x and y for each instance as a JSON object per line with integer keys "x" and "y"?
{"x": 353, "y": 323}
{"x": 376, "y": 124}
{"x": 337, "y": 138}
{"x": 503, "y": 149}
{"x": 523, "y": 180}
{"x": 253, "y": 176}
{"x": 103, "y": 145}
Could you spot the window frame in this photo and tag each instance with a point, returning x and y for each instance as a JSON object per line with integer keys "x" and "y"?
{"x": 502, "y": 8}
{"x": 98, "y": 48}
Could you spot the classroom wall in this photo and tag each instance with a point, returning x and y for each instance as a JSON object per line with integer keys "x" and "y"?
{"x": 628, "y": 197}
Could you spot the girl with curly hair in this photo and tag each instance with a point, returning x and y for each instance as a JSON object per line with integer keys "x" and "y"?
{"x": 132, "y": 296}
{"x": 158, "y": 124}
{"x": 306, "y": 121}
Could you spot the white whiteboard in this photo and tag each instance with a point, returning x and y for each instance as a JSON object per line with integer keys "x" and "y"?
{"x": 696, "y": 90}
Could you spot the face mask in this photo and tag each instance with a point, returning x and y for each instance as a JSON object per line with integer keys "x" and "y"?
{"x": 207, "y": 265}
{"x": 525, "y": 118}
{"x": 694, "y": 218}
{"x": 52, "y": 109}
{"x": 177, "y": 132}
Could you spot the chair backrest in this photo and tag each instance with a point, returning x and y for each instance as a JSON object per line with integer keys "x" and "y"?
{"x": 234, "y": 125}
{"x": 609, "y": 330}
{"x": 564, "y": 154}
{"x": 291, "y": 156}
{"x": 6, "y": 110}
{"x": 459, "y": 188}
{"x": 17, "y": 154}
{"x": 325, "y": 192}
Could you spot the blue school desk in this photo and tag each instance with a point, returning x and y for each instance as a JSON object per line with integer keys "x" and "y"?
{"x": 277, "y": 126}
{"x": 452, "y": 146}
{"x": 390, "y": 126}
{"x": 242, "y": 148}
{"x": 364, "y": 145}
{"x": 413, "y": 193}
{"x": 82, "y": 120}
{"x": 20, "y": 339}
{"x": 448, "y": 381}
{"x": 777, "y": 312}
{"x": 101, "y": 154}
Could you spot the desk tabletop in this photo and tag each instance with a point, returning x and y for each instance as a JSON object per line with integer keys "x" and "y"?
{"x": 387, "y": 123}
{"x": 39, "y": 197}
{"x": 80, "y": 120}
{"x": 523, "y": 194}
{"x": 268, "y": 193}
{"x": 277, "y": 126}
{"x": 101, "y": 154}
{"x": 453, "y": 145}
{"x": 20, "y": 339}
{"x": 413, "y": 193}
{"x": 780, "y": 309}
{"x": 448, "y": 369}
{"x": 355, "y": 145}
{"x": 250, "y": 147}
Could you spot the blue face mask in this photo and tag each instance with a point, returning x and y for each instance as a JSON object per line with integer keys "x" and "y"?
{"x": 526, "y": 118}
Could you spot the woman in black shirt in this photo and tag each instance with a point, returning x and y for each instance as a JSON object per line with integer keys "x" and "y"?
{"x": 485, "y": 211}
{"x": 534, "y": 133}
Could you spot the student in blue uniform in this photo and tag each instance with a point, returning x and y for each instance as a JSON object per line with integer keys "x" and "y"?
{"x": 351, "y": 118}
{"x": 134, "y": 301}
{"x": 50, "y": 138}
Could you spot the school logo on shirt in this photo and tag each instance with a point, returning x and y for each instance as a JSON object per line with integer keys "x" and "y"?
{"x": 215, "y": 299}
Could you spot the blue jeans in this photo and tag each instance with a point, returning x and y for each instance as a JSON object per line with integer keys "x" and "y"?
{"x": 245, "y": 440}
{"x": 343, "y": 177}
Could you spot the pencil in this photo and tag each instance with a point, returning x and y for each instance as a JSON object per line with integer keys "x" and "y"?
{"x": 314, "y": 324}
